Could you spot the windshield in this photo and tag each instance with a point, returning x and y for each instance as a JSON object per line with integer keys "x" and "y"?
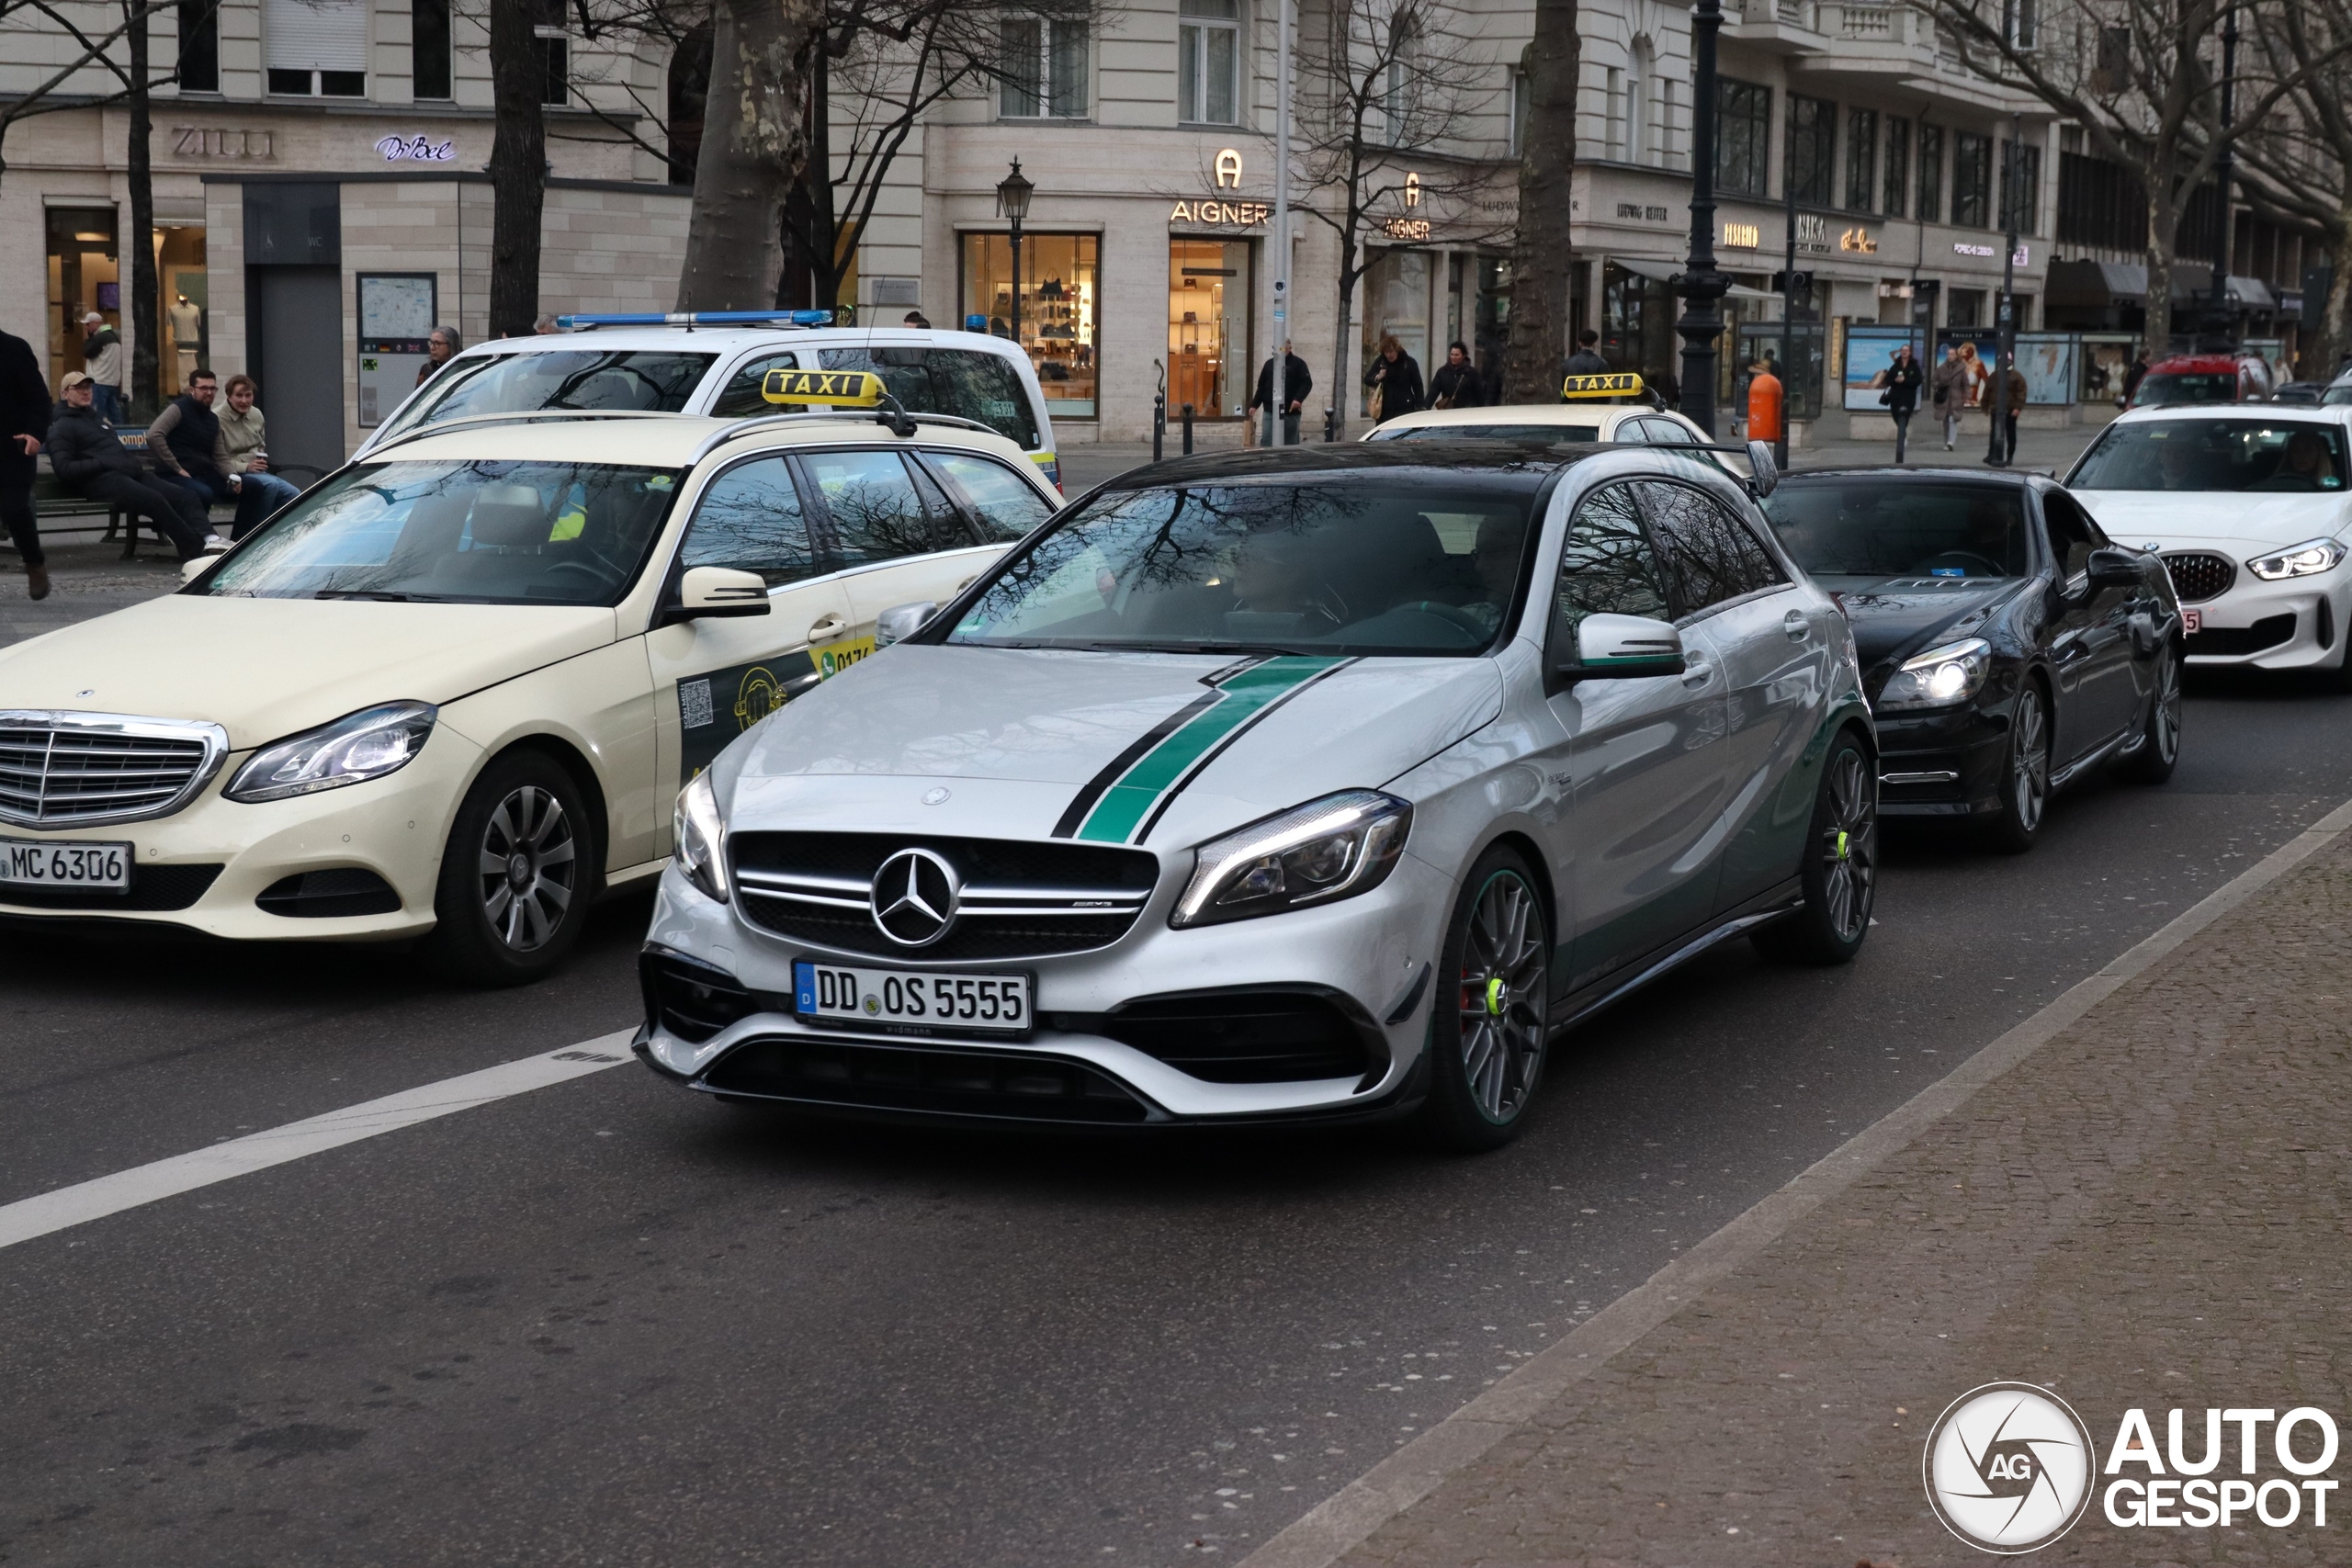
{"x": 2205, "y": 387}
{"x": 647, "y": 380}
{"x": 485, "y": 533}
{"x": 1860, "y": 528}
{"x": 969, "y": 383}
{"x": 2338, "y": 393}
{"x": 2293, "y": 456}
{"x": 1540, "y": 434}
{"x": 1408, "y": 562}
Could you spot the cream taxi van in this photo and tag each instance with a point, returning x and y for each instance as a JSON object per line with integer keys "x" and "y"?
{"x": 455, "y": 687}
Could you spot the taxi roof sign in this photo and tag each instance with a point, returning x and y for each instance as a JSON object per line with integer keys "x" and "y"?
{"x": 1620, "y": 384}
{"x": 835, "y": 388}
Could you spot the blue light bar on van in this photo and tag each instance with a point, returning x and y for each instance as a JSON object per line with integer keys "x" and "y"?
{"x": 701, "y": 319}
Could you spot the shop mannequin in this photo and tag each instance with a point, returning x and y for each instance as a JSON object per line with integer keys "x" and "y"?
{"x": 187, "y": 334}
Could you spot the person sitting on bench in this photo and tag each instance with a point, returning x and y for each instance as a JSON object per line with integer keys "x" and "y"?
{"x": 87, "y": 455}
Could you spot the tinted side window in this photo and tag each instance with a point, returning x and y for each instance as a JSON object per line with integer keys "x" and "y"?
{"x": 1003, "y": 505}
{"x": 1608, "y": 567}
{"x": 751, "y": 519}
{"x": 969, "y": 383}
{"x": 1709, "y": 552}
{"x": 876, "y": 512}
{"x": 741, "y": 399}
{"x": 2072, "y": 535}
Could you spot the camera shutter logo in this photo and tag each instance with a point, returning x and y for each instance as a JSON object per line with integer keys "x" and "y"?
{"x": 2008, "y": 1468}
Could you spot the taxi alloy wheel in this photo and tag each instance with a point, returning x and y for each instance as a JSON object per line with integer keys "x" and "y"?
{"x": 518, "y": 875}
{"x": 1486, "y": 1032}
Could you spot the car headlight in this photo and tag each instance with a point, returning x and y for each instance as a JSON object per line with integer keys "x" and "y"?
{"x": 2302, "y": 560}
{"x": 700, "y": 833}
{"x": 362, "y": 746}
{"x": 1939, "y": 677}
{"x": 1333, "y": 848}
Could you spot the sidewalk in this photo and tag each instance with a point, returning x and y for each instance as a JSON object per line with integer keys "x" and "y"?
{"x": 2148, "y": 1210}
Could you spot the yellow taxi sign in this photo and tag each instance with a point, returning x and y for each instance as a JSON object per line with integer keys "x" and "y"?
{"x": 837, "y": 388}
{"x": 1622, "y": 384}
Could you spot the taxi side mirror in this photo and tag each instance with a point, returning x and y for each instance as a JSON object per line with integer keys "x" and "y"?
{"x": 707, "y": 592}
{"x": 1764, "y": 473}
{"x": 902, "y": 621}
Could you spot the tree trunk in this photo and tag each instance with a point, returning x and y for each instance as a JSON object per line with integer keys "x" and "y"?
{"x": 2335, "y": 314}
{"x": 754, "y": 141}
{"x": 2158, "y": 330}
{"x": 1541, "y": 255}
{"x": 518, "y": 169}
{"x": 1345, "y": 371}
{"x": 146, "y": 341}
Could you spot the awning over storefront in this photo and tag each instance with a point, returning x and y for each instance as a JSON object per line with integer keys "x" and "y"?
{"x": 2098, "y": 285}
{"x": 2252, "y": 293}
{"x": 1665, "y": 272}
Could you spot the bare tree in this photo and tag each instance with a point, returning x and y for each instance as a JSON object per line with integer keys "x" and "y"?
{"x": 754, "y": 143}
{"x": 1382, "y": 100}
{"x": 91, "y": 50}
{"x": 2299, "y": 165}
{"x": 1541, "y": 255}
{"x": 518, "y": 165}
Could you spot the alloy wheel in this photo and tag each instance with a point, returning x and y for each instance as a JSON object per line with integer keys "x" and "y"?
{"x": 1849, "y": 845}
{"x": 2165, "y": 725}
{"x": 1504, "y": 994}
{"x": 2030, "y": 760}
{"x": 528, "y": 868}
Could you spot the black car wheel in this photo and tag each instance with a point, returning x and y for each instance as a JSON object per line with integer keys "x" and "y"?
{"x": 2025, "y": 775}
{"x": 517, "y": 875}
{"x": 1486, "y": 1031}
{"x": 2159, "y": 747}
{"x": 1840, "y": 869}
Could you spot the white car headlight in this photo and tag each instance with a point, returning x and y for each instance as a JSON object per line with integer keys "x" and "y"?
{"x": 700, "y": 834}
{"x": 1939, "y": 677}
{"x": 1333, "y": 848}
{"x": 353, "y": 750}
{"x": 2302, "y": 560}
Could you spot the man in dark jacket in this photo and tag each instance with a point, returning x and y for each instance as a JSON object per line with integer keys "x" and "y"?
{"x": 1297, "y": 382}
{"x": 1585, "y": 360}
{"x": 24, "y": 421}
{"x": 184, "y": 443}
{"x": 87, "y": 455}
{"x": 1903, "y": 380}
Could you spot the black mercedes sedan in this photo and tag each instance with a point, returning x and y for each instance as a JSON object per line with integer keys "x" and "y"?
{"x": 2008, "y": 647}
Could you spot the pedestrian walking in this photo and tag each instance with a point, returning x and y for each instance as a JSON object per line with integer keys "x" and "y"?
{"x": 87, "y": 453}
{"x": 1585, "y": 360}
{"x": 184, "y": 444}
{"x": 24, "y": 422}
{"x": 1297, "y": 382}
{"x": 1949, "y": 391}
{"x": 1394, "y": 378}
{"x": 917, "y": 320}
{"x": 545, "y": 327}
{"x": 1457, "y": 384}
{"x": 102, "y": 363}
{"x": 1764, "y": 402}
{"x": 2133, "y": 375}
{"x": 1903, "y": 380}
{"x": 439, "y": 345}
{"x": 244, "y": 455}
{"x": 2013, "y": 384}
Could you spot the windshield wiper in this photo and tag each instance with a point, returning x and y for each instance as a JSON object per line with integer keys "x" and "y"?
{"x": 384, "y": 595}
{"x": 1269, "y": 649}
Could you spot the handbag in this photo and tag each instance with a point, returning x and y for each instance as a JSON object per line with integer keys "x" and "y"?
{"x": 1886, "y": 398}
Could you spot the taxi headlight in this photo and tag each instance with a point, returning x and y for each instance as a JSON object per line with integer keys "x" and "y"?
{"x": 700, "y": 832}
{"x": 1939, "y": 677}
{"x": 1334, "y": 848}
{"x": 2304, "y": 560}
{"x": 362, "y": 746}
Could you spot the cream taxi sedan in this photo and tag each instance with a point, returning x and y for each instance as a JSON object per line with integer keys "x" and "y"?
{"x": 455, "y": 687}
{"x": 1589, "y": 409}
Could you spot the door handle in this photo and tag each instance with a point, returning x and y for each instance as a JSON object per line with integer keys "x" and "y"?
{"x": 831, "y": 625}
{"x": 1796, "y": 625}
{"x": 1696, "y": 675}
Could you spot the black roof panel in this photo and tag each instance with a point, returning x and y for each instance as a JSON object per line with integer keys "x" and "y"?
{"x": 1487, "y": 458}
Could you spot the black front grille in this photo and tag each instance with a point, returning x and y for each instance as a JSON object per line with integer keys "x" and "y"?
{"x": 1044, "y": 888}
{"x": 155, "y": 890}
{"x": 1244, "y": 1037}
{"x": 2267, "y": 632}
{"x": 2200, "y": 575}
{"x": 1000, "y": 1085}
{"x": 327, "y": 895}
{"x": 694, "y": 1002}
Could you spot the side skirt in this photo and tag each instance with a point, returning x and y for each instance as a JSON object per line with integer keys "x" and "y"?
{"x": 1762, "y": 910}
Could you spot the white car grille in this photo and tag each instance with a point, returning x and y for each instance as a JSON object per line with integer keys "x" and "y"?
{"x": 79, "y": 770}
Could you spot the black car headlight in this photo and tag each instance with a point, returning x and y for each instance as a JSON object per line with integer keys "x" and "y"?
{"x": 1333, "y": 848}
{"x": 362, "y": 746}
{"x": 700, "y": 834}
{"x": 1939, "y": 677}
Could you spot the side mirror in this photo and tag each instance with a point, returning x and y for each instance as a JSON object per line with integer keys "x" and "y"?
{"x": 717, "y": 591}
{"x": 194, "y": 566}
{"x": 902, "y": 621}
{"x": 1620, "y": 648}
{"x": 1764, "y": 473}
{"x": 2112, "y": 567}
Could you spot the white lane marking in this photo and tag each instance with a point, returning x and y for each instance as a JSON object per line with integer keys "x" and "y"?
{"x": 1344, "y": 1520}
{"x": 97, "y": 1197}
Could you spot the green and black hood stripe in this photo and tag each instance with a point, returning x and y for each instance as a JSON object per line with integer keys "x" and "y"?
{"x": 1124, "y": 802}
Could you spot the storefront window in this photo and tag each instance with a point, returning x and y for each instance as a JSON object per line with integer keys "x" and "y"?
{"x": 1397, "y": 303}
{"x": 1060, "y": 289}
{"x": 1209, "y": 327}
{"x": 83, "y": 277}
{"x": 1637, "y": 324}
{"x": 185, "y": 317}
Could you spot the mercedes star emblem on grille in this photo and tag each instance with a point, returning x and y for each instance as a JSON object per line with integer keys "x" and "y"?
{"x": 915, "y": 894}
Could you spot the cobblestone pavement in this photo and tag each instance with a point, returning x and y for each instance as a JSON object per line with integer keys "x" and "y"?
{"x": 2150, "y": 1211}
{"x": 86, "y": 579}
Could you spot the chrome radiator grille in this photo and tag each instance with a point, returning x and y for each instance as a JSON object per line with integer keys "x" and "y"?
{"x": 74, "y": 770}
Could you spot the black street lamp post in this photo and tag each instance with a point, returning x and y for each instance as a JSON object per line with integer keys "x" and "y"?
{"x": 2005, "y": 340}
{"x": 1013, "y": 194}
{"x": 2217, "y": 313}
{"x": 1700, "y": 285}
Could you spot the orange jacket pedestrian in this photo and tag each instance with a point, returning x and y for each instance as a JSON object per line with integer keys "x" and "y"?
{"x": 1764, "y": 406}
